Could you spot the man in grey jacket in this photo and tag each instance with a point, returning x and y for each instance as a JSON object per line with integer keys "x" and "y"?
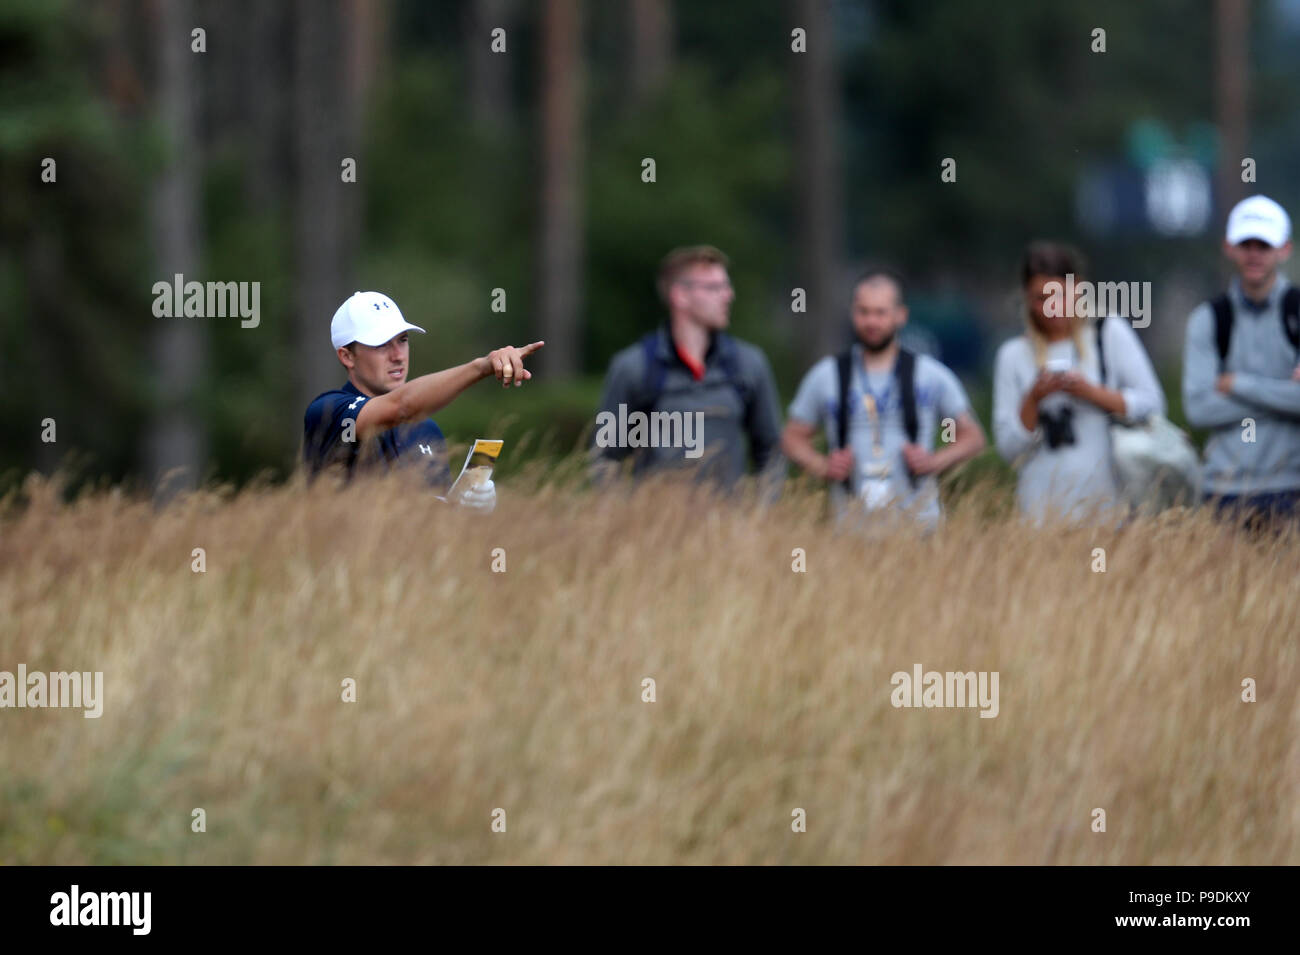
{"x": 688, "y": 395}
{"x": 1240, "y": 370}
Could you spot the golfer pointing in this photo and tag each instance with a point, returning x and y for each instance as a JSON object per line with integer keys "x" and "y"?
{"x": 378, "y": 419}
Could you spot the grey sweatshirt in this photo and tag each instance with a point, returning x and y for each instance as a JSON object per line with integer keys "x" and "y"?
{"x": 1261, "y": 361}
{"x": 733, "y": 433}
{"x": 1074, "y": 482}
{"x": 939, "y": 395}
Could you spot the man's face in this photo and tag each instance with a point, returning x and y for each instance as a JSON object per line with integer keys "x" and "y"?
{"x": 704, "y": 294}
{"x": 877, "y": 313}
{"x": 1256, "y": 260}
{"x": 378, "y": 369}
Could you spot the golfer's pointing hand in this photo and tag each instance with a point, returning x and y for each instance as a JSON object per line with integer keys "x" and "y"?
{"x": 508, "y": 363}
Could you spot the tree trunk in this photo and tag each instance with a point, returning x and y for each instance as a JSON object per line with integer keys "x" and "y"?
{"x": 651, "y": 47}
{"x": 175, "y": 445}
{"x": 1231, "y": 94}
{"x": 819, "y": 217}
{"x": 325, "y": 226}
{"x": 265, "y": 76}
{"x": 489, "y": 72}
{"x": 559, "y": 281}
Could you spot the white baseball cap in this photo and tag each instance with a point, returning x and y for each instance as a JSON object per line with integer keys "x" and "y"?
{"x": 371, "y": 318}
{"x": 1259, "y": 217}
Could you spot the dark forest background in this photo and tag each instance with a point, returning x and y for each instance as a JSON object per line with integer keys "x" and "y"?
{"x": 521, "y": 170}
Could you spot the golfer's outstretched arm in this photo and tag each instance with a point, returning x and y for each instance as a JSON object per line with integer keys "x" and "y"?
{"x": 423, "y": 396}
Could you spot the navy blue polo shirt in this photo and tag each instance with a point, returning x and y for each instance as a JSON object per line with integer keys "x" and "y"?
{"x": 418, "y": 444}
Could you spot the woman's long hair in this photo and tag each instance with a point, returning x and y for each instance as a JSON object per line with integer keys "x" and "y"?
{"x": 1059, "y": 260}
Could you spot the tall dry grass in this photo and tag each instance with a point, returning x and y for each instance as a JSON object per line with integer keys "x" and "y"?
{"x": 523, "y": 690}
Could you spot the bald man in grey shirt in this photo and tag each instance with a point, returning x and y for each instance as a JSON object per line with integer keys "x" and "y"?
{"x": 888, "y": 474}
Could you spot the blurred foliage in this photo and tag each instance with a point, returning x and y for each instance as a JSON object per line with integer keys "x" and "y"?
{"x": 450, "y": 207}
{"x": 722, "y": 162}
{"x": 550, "y": 419}
{"x": 72, "y": 251}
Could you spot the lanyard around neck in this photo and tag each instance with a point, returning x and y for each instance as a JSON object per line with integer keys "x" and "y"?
{"x": 872, "y": 404}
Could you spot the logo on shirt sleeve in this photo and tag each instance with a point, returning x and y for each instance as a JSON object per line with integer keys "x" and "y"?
{"x": 356, "y": 402}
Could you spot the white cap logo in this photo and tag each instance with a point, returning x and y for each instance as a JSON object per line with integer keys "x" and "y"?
{"x": 371, "y": 318}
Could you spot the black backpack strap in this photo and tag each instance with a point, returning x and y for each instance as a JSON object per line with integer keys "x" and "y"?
{"x": 905, "y": 370}
{"x": 844, "y": 363}
{"x": 656, "y": 370}
{"x": 1223, "y": 317}
{"x": 1222, "y": 326}
{"x": 652, "y": 384}
{"x": 1291, "y": 316}
{"x": 1101, "y": 353}
{"x": 729, "y": 360}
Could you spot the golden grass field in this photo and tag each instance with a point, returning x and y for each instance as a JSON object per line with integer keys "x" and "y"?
{"x": 523, "y": 690}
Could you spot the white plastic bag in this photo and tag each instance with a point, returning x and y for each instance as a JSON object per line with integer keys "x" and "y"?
{"x": 1156, "y": 464}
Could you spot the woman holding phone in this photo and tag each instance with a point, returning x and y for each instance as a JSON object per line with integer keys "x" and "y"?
{"x": 1051, "y": 410}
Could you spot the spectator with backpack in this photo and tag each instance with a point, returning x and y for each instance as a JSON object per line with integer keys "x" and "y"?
{"x": 880, "y": 407}
{"x": 690, "y": 366}
{"x": 1052, "y": 406}
{"x": 1240, "y": 377}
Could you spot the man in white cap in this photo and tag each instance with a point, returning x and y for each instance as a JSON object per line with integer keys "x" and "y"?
{"x": 1241, "y": 371}
{"x": 378, "y": 418}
